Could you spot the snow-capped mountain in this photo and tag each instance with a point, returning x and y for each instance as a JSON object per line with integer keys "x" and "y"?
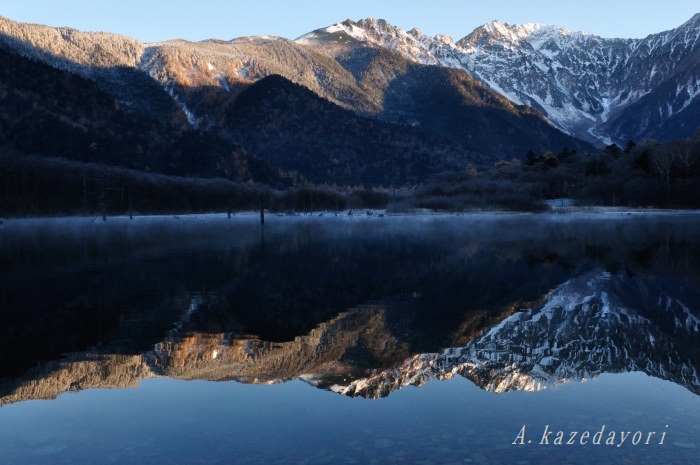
{"x": 412, "y": 44}
{"x": 591, "y": 87}
{"x": 586, "y": 326}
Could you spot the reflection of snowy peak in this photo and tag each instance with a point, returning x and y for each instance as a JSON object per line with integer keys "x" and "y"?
{"x": 593, "y": 324}
{"x": 591, "y": 87}
{"x": 583, "y": 328}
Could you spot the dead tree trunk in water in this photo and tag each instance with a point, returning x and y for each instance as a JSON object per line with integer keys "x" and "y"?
{"x": 262, "y": 209}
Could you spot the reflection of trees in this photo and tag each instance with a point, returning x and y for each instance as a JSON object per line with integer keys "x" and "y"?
{"x": 641, "y": 246}
{"x": 293, "y": 289}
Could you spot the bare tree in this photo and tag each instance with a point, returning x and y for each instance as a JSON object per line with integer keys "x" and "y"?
{"x": 662, "y": 162}
{"x": 686, "y": 158}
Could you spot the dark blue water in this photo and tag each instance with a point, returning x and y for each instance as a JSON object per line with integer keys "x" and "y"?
{"x": 183, "y": 341}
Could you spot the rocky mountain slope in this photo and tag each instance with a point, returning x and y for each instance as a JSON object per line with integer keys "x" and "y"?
{"x": 598, "y": 89}
{"x": 379, "y": 84}
{"x": 110, "y": 60}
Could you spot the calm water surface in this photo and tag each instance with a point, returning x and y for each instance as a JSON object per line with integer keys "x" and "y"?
{"x": 364, "y": 339}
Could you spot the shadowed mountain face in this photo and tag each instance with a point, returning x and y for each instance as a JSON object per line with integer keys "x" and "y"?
{"x": 305, "y": 136}
{"x": 361, "y": 306}
{"x": 47, "y": 111}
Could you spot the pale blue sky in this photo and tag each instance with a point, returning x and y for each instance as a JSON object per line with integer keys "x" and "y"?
{"x": 154, "y": 20}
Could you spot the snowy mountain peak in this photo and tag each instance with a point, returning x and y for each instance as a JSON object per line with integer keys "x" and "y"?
{"x": 444, "y": 39}
{"x": 412, "y": 44}
{"x": 600, "y": 90}
{"x": 694, "y": 21}
{"x": 516, "y": 36}
{"x": 517, "y": 32}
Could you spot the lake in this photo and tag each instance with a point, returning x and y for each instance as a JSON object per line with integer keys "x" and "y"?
{"x": 330, "y": 339}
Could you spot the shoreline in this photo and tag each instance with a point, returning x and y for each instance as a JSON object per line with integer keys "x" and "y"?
{"x": 365, "y": 213}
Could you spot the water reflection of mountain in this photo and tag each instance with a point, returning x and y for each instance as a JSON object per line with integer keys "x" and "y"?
{"x": 595, "y": 323}
{"x": 122, "y": 288}
{"x": 128, "y": 303}
{"x": 357, "y": 343}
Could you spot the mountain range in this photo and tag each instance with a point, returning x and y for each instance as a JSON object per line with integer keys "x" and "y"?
{"x": 353, "y": 103}
{"x": 597, "y": 89}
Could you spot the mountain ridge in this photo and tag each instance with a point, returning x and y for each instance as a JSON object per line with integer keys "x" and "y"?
{"x": 546, "y": 66}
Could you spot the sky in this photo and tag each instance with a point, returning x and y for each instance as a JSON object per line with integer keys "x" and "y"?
{"x": 157, "y": 20}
